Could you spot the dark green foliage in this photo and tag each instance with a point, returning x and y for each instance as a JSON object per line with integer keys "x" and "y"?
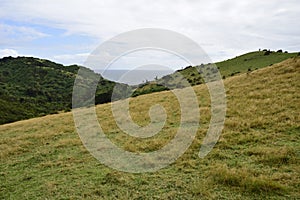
{"x": 148, "y": 88}
{"x": 234, "y": 73}
{"x": 32, "y": 87}
{"x": 267, "y": 53}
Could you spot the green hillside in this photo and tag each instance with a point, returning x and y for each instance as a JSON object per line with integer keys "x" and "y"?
{"x": 251, "y": 61}
{"x": 256, "y": 157}
{"x": 31, "y": 87}
{"x": 240, "y": 64}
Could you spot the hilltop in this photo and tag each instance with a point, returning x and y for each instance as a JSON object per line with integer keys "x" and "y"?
{"x": 256, "y": 157}
{"x": 241, "y": 64}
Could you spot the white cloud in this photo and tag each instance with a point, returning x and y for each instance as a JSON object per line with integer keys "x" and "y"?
{"x": 69, "y": 59}
{"x": 12, "y": 53}
{"x": 8, "y": 52}
{"x": 10, "y": 34}
{"x": 220, "y": 26}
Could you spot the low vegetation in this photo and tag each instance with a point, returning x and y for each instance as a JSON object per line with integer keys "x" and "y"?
{"x": 241, "y": 64}
{"x": 256, "y": 157}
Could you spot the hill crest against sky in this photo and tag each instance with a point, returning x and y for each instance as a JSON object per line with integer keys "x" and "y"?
{"x": 32, "y": 87}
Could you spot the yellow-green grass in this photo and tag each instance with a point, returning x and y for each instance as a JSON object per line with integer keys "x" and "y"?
{"x": 194, "y": 75}
{"x": 256, "y": 157}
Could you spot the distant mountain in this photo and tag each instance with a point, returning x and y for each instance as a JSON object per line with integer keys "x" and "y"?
{"x": 31, "y": 87}
{"x": 193, "y": 74}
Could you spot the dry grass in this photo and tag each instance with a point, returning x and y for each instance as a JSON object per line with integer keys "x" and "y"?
{"x": 245, "y": 179}
{"x": 257, "y": 156}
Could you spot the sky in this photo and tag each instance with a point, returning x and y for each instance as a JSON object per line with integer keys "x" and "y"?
{"x": 68, "y": 31}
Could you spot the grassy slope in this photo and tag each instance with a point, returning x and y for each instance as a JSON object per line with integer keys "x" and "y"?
{"x": 32, "y": 87}
{"x": 252, "y": 61}
{"x": 240, "y": 64}
{"x": 257, "y": 156}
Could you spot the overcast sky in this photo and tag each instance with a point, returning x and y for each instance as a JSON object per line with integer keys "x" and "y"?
{"x": 68, "y": 31}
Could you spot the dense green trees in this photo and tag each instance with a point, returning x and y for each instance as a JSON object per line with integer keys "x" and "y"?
{"x": 31, "y": 87}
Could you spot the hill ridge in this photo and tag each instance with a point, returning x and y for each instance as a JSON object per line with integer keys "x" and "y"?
{"x": 31, "y": 87}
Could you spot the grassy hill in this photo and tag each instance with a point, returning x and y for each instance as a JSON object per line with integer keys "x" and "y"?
{"x": 257, "y": 156}
{"x": 252, "y": 61}
{"x": 240, "y": 64}
{"x": 31, "y": 87}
